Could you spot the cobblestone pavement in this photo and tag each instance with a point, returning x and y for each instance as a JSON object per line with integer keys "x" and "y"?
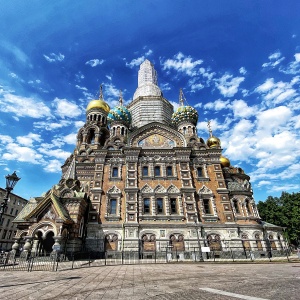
{"x": 160, "y": 281}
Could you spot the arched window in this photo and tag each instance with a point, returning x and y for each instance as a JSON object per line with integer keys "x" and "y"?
{"x": 157, "y": 171}
{"x": 236, "y": 206}
{"x": 206, "y": 206}
{"x": 115, "y": 172}
{"x": 159, "y": 206}
{"x": 200, "y": 172}
{"x": 146, "y": 205}
{"x": 91, "y": 136}
{"x": 145, "y": 171}
{"x": 169, "y": 171}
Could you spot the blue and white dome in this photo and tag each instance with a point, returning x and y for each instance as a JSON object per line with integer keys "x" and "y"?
{"x": 119, "y": 114}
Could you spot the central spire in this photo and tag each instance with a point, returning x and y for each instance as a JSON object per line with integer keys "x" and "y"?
{"x": 147, "y": 81}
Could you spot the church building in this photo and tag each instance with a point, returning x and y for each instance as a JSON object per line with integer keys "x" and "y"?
{"x": 141, "y": 179}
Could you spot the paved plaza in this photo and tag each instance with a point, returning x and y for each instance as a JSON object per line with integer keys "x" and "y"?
{"x": 160, "y": 281}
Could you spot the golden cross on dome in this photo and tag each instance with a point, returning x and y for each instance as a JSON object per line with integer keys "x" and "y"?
{"x": 101, "y": 93}
{"x": 209, "y": 128}
{"x": 181, "y": 97}
{"x": 121, "y": 98}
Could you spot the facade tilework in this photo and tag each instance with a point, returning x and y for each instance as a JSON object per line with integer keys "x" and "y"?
{"x": 150, "y": 185}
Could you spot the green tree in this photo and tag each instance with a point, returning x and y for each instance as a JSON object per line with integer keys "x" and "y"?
{"x": 283, "y": 211}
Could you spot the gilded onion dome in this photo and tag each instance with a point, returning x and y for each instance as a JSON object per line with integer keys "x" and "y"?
{"x": 213, "y": 141}
{"x": 98, "y": 103}
{"x": 119, "y": 113}
{"x": 225, "y": 162}
{"x": 184, "y": 113}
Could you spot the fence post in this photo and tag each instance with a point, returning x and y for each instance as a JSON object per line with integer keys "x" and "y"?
{"x": 54, "y": 261}
{"x": 89, "y": 258}
{"x": 73, "y": 258}
{"x": 214, "y": 254}
{"x": 105, "y": 258}
{"x": 155, "y": 255}
{"x": 166, "y": 254}
{"x": 287, "y": 254}
{"x": 232, "y": 255}
{"x": 122, "y": 257}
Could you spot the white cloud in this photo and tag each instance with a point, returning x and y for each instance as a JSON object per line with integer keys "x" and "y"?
{"x": 23, "y": 107}
{"x": 217, "y": 105}
{"x": 136, "y": 62}
{"x": 29, "y": 139}
{"x": 242, "y": 110}
{"x": 53, "y": 166}
{"x": 278, "y": 92}
{"x": 182, "y": 63}
{"x": 65, "y": 108}
{"x": 54, "y": 57}
{"x": 293, "y": 67}
{"x": 83, "y": 88}
{"x": 50, "y": 126}
{"x": 228, "y": 85}
{"x": 95, "y": 62}
{"x": 71, "y": 138}
{"x": 242, "y": 70}
{"x": 22, "y": 154}
{"x": 5, "y": 139}
{"x": 274, "y": 60}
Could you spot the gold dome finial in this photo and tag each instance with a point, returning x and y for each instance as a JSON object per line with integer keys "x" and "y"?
{"x": 225, "y": 162}
{"x": 121, "y": 98}
{"x": 99, "y": 103}
{"x": 213, "y": 141}
{"x": 101, "y": 93}
{"x": 209, "y": 128}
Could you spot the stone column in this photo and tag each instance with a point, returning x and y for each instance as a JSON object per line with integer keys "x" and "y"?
{"x": 28, "y": 243}
{"x": 15, "y": 246}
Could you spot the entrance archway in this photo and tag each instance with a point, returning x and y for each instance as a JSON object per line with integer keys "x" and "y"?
{"x": 48, "y": 242}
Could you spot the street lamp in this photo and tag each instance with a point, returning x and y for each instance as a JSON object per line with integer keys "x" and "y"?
{"x": 200, "y": 250}
{"x": 11, "y": 181}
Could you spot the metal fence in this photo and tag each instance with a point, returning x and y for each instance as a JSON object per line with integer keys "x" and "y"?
{"x": 58, "y": 261}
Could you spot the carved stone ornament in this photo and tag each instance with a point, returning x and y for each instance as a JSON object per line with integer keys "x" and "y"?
{"x": 159, "y": 189}
{"x": 172, "y": 189}
{"x": 146, "y": 189}
{"x": 114, "y": 190}
{"x": 205, "y": 190}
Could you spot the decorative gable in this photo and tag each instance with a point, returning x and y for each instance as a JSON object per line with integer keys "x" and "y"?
{"x": 114, "y": 190}
{"x": 172, "y": 189}
{"x": 205, "y": 190}
{"x": 160, "y": 189}
{"x": 146, "y": 189}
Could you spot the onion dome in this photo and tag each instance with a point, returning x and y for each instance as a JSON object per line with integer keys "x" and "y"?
{"x": 213, "y": 141}
{"x": 225, "y": 162}
{"x": 184, "y": 113}
{"x": 119, "y": 113}
{"x": 98, "y": 103}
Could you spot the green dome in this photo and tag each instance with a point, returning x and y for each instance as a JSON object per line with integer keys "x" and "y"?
{"x": 185, "y": 113}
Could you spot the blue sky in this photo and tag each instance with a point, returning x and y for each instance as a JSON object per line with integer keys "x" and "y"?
{"x": 238, "y": 63}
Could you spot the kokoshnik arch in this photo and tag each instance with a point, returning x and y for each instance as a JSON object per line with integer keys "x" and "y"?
{"x": 141, "y": 179}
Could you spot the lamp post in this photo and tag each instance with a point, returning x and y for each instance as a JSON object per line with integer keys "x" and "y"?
{"x": 11, "y": 181}
{"x": 200, "y": 250}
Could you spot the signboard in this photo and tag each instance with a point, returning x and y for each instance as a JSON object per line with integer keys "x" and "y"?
{"x": 205, "y": 249}
{"x": 149, "y": 246}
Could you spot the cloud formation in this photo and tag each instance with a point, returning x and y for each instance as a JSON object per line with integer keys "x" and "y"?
{"x": 95, "y": 62}
{"x": 52, "y": 57}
